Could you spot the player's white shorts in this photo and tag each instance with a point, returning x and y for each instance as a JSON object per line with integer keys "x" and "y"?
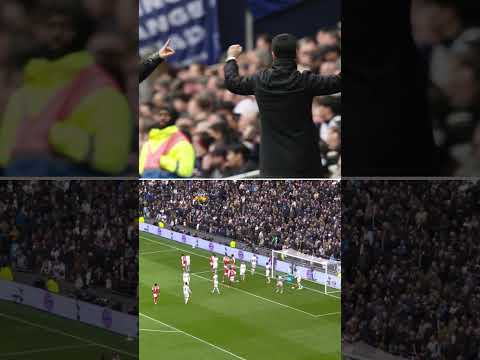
{"x": 155, "y": 296}
{"x": 242, "y": 272}
{"x": 279, "y": 284}
{"x": 232, "y": 278}
{"x": 215, "y": 267}
{"x": 215, "y": 284}
{"x": 267, "y": 273}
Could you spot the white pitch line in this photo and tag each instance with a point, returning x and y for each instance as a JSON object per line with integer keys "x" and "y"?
{"x": 49, "y": 349}
{"x": 194, "y": 337}
{"x": 87, "y": 341}
{"x": 260, "y": 297}
{"x": 329, "y": 314}
{"x": 161, "y": 331}
{"x": 206, "y": 257}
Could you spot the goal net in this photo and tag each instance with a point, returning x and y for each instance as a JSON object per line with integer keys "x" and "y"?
{"x": 326, "y": 272}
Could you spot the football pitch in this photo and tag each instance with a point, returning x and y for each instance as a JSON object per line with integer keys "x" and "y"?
{"x": 30, "y": 334}
{"x": 247, "y": 321}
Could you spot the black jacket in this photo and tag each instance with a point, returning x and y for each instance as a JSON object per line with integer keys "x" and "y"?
{"x": 148, "y": 65}
{"x": 289, "y": 143}
{"x": 386, "y": 129}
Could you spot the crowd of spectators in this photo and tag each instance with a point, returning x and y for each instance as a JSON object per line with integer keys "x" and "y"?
{"x": 448, "y": 35}
{"x": 77, "y": 232}
{"x": 411, "y": 256}
{"x": 111, "y": 28}
{"x": 303, "y": 215}
{"x": 224, "y": 128}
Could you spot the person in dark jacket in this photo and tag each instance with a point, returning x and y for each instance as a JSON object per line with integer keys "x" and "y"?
{"x": 386, "y": 128}
{"x": 150, "y": 63}
{"x": 289, "y": 141}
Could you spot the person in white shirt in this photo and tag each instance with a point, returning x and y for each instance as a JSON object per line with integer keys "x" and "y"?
{"x": 267, "y": 272}
{"x": 186, "y": 278}
{"x": 243, "y": 269}
{"x": 299, "y": 280}
{"x": 253, "y": 261}
{"x": 215, "y": 284}
{"x": 186, "y": 292}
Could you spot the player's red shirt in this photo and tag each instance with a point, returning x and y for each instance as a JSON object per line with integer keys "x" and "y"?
{"x": 155, "y": 290}
{"x": 233, "y": 260}
{"x": 226, "y": 260}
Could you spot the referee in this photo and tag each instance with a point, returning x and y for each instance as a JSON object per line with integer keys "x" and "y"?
{"x": 149, "y": 64}
{"x": 289, "y": 141}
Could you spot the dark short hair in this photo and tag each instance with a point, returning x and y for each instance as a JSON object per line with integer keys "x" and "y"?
{"x": 284, "y": 46}
{"x": 237, "y": 148}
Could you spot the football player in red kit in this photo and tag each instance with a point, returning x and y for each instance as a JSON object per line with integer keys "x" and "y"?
{"x": 155, "y": 292}
{"x": 183, "y": 261}
{"x": 226, "y": 261}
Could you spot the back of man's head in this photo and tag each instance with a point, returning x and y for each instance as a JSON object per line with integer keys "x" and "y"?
{"x": 284, "y": 46}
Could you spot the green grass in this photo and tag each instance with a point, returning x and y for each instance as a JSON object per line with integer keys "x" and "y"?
{"x": 248, "y": 321}
{"x": 30, "y": 334}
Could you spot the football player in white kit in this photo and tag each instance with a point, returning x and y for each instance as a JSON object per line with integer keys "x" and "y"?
{"x": 267, "y": 271}
{"x": 187, "y": 257}
{"x": 214, "y": 263}
{"x": 215, "y": 284}
{"x": 186, "y": 278}
{"x": 279, "y": 287}
{"x": 243, "y": 269}
{"x": 186, "y": 292}
{"x": 253, "y": 262}
{"x": 299, "y": 280}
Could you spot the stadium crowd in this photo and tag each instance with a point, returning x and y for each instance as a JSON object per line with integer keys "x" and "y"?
{"x": 448, "y": 35}
{"x": 108, "y": 31}
{"x": 303, "y": 215}
{"x": 78, "y": 232}
{"x": 224, "y": 128}
{"x": 411, "y": 257}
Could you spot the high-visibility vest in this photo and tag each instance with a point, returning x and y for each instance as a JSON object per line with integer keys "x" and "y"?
{"x": 63, "y": 102}
{"x": 153, "y": 157}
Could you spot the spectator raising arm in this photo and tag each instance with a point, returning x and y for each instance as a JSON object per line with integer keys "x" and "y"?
{"x": 233, "y": 81}
{"x": 148, "y": 65}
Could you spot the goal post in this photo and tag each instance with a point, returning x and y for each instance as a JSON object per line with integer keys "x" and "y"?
{"x": 323, "y": 271}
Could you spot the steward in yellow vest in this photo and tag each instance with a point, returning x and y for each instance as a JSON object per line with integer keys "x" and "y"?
{"x": 167, "y": 153}
{"x": 69, "y": 117}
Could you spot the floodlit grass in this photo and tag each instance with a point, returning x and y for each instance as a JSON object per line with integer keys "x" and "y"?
{"x": 246, "y": 321}
{"x": 30, "y": 334}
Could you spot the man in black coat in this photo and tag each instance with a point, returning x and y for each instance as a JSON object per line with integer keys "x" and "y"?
{"x": 289, "y": 143}
{"x": 149, "y": 64}
{"x": 386, "y": 128}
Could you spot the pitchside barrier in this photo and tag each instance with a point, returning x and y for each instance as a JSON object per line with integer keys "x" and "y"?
{"x": 69, "y": 308}
{"x": 242, "y": 255}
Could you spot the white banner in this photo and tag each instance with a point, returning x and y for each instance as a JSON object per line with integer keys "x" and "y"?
{"x": 41, "y": 299}
{"x": 283, "y": 266}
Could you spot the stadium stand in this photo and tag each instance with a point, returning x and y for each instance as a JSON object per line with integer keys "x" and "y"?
{"x": 303, "y": 215}
{"x": 411, "y": 285}
{"x": 80, "y": 235}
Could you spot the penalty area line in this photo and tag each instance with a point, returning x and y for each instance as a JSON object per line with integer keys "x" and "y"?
{"x": 161, "y": 331}
{"x": 194, "y": 337}
{"x": 329, "y": 314}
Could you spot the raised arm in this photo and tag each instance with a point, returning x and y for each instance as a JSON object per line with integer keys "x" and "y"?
{"x": 324, "y": 85}
{"x": 149, "y": 64}
{"x": 241, "y": 85}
